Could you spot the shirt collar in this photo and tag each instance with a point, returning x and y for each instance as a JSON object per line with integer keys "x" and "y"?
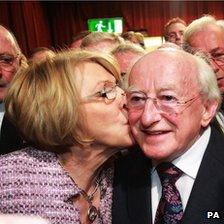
{"x": 2, "y": 107}
{"x": 190, "y": 161}
{"x": 192, "y": 156}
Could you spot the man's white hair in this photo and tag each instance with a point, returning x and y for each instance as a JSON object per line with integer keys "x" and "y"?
{"x": 9, "y": 35}
{"x": 197, "y": 25}
{"x": 207, "y": 80}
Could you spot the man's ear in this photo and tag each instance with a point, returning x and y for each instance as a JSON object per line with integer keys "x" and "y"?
{"x": 23, "y": 61}
{"x": 209, "y": 112}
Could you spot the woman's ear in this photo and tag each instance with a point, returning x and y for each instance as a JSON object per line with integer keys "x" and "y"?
{"x": 209, "y": 112}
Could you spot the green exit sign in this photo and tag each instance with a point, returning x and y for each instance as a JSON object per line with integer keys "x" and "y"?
{"x": 109, "y": 25}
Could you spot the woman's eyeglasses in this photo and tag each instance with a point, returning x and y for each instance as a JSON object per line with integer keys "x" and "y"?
{"x": 108, "y": 92}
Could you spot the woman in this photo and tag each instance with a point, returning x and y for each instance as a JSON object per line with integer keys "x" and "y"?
{"x": 71, "y": 111}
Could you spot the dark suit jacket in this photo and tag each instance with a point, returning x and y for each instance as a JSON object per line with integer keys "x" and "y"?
{"x": 132, "y": 188}
{"x": 10, "y": 139}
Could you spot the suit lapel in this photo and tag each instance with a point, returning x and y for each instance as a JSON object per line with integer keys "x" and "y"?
{"x": 139, "y": 194}
{"x": 207, "y": 192}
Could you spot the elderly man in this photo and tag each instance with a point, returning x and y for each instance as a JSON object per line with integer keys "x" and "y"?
{"x": 9, "y": 63}
{"x": 212, "y": 47}
{"x": 11, "y": 60}
{"x": 172, "y": 98}
{"x": 127, "y": 54}
{"x": 174, "y": 30}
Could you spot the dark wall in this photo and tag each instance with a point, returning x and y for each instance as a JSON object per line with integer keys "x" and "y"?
{"x": 41, "y": 23}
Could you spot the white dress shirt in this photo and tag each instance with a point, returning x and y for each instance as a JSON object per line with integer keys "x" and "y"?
{"x": 189, "y": 163}
{"x": 2, "y": 111}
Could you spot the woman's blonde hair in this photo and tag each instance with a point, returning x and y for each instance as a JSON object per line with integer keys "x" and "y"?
{"x": 43, "y": 100}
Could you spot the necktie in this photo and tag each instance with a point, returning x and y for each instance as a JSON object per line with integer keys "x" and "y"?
{"x": 170, "y": 209}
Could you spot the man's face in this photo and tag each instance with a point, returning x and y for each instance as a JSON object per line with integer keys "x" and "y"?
{"x": 175, "y": 33}
{"x": 168, "y": 76}
{"x": 9, "y": 62}
{"x": 210, "y": 40}
{"x": 126, "y": 60}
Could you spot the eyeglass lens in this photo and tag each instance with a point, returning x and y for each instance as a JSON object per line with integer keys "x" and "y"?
{"x": 7, "y": 62}
{"x": 110, "y": 91}
{"x": 136, "y": 101}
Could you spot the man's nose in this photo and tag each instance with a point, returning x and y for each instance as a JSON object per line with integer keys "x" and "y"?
{"x": 178, "y": 36}
{"x": 150, "y": 114}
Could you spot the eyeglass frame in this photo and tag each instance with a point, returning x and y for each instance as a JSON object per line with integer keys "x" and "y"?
{"x": 102, "y": 91}
{"x": 214, "y": 60}
{"x": 207, "y": 56}
{"x": 3, "y": 65}
{"x": 158, "y": 106}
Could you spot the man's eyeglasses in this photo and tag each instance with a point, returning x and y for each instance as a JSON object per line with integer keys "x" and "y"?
{"x": 8, "y": 61}
{"x": 218, "y": 61}
{"x": 166, "y": 104}
{"x": 108, "y": 93}
{"x": 217, "y": 58}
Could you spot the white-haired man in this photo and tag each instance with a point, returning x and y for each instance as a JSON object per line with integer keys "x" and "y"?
{"x": 206, "y": 35}
{"x": 172, "y": 98}
{"x": 11, "y": 59}
{"x": 127, "y": 54}
{"x": 9, "y": 63}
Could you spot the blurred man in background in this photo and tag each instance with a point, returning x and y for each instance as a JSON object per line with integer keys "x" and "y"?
{"x": 11, "y": 60}
{"x": 206, "y": 36}
{"x": 127, "y": 54}
{"x": 10, "y": 56}
{"x": 173, "y": 31}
